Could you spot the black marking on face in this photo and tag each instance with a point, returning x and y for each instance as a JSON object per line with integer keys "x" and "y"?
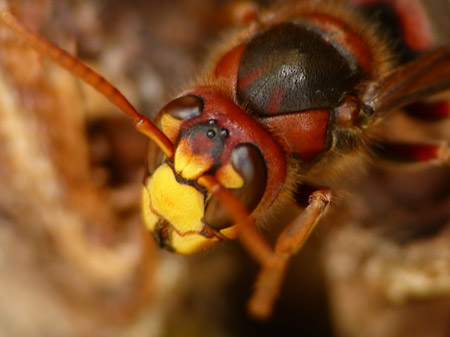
{"x": 207, "y": 138}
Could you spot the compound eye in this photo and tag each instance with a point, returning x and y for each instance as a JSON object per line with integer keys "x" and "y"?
{"x": 248, "y": 161}
{"x": 154, "y": 157}
{"x": 185, "y": 107}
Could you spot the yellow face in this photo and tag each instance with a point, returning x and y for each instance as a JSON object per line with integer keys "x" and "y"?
{"x": 176, "y": 212}
{"x": 174, "y": 205}
{"x": 181, "y": 214}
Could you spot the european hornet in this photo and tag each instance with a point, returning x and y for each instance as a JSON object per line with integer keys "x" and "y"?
{"x": 291, "y": 100}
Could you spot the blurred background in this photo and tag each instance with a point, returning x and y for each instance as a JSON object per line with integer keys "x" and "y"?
{"x": 75, "y": 259}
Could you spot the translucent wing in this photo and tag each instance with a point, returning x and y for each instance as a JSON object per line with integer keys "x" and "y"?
{"x": 417, "y": 79}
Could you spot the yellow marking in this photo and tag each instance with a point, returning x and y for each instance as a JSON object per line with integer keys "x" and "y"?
{"x": 170, "y": 127}
{"x": 228, "y": 177}
{"x": 191, "y": 243}
{"x": 230, "y": 232}
{"x": 150, "y": 217}
{"x": 181, "y": 205}
{"x": 182, "y": 156}
{"x": 189, "y": 165}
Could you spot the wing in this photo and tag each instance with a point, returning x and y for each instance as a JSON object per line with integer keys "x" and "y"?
{"x": 417, "y": 79}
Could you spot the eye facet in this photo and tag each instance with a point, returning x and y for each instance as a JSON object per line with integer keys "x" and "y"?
{"x": 248, "y": 162}
{"x": 185, "y": 107}
{"x": 154, "y": 157}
